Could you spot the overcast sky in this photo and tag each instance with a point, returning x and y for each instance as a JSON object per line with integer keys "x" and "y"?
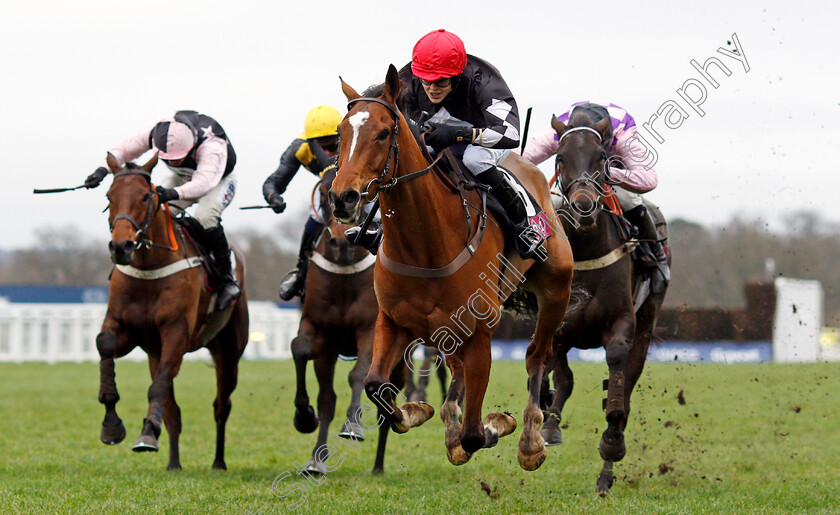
{"x": 80, "y": 76}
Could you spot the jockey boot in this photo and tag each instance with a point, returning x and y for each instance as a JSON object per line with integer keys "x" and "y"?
{"x": 293, "y": 282}
{"x": 527, "y": 240}
{"x": 640, "y": 217}
{"x": 229, "y": 286}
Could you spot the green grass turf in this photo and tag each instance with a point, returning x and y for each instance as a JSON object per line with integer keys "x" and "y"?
{"x": 750, "y": 438}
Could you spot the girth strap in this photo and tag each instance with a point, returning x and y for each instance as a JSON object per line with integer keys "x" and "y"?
{"x": 448, "y": 269}
{"x": 159, "y": 273}
{"x": 606, "y": 260}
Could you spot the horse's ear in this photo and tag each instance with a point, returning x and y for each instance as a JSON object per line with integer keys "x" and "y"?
{"x": 349, "y": 92}
{"x": 392, "y": 84}
{"x": 112, "y": 162}
{"x": 558, "y": 126}
{"x": 151, "y": 164}
{"x": 603, "y": 127}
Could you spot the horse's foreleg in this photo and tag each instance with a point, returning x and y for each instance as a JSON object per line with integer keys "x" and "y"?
{"x": 564, "y": 383}
{"x": 364, "y": 343}
{"x": 450, "y": 413}
{"x": 172, "y": 419}
{"x": 379, "y": 462}
{"x": 398, "y": 378}
{"x": 389, "y": 344}
{"x": 113, "y": 430}
{"x": 161, "y": 393}
{"x": 325, "y": 373}
{"x": 552, "y": 307}
{"x": 618, "y": 347}
{"x": 226, "y": 358}
{"x": 305, "y": 420}
{"x": 476, "y": 356}
{"x": 551, "y": 282}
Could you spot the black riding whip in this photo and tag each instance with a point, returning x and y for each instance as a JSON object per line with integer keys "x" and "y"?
{"x": 525, "y": 132}
{"x": 57, "y": 190}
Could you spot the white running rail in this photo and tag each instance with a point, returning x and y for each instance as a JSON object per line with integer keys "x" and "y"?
{"x": 67, "y": 332}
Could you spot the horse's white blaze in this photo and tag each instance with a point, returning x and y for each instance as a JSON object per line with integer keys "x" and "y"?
{"x": 356, "y": 121}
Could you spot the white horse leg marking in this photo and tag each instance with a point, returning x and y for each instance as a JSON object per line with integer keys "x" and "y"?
{"x": 356, "y": 121}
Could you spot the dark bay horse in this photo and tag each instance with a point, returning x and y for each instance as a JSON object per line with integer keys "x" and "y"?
{"x": 436, "y": 284}
{"x": 158, "y": 301}
{"x": 338, "y": 316}
{"x": 618, "y": 312}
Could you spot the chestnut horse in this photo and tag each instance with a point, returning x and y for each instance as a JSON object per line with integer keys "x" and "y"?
{"x": 429, "y": 278}
{"x": 158, "y": 301}
{"x": 338, "y": 317}
{"x": 618, "y": 312}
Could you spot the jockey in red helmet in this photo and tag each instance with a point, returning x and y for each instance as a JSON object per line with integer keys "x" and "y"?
{"x": 470, "y": 107}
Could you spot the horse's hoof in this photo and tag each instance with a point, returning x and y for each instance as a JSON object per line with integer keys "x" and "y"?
{"x": 112, "y": 435}
{"x": 219, "y": 465}
{"x": 503, "y": 423}
{"x": 352, "y": 431}
{"x": 378, "y": 471}
{"x": 146, "y": 443}
{"x": 551, "y": 435}
{"x": 532, "y": 461}
{"x": 605, "y": 482}
{"x": 173, "y": 466}
{"x": 414, "y": 414}
{"x": 612, "y": 448}
{"x": 457, "y": 455}
{"x": 306, "y": 421}
{"x": 314, "y": 468}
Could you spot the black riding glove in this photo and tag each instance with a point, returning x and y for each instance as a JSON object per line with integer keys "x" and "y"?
{"x": 95, "y": 179}
{"x": 166, "y": 194}
{"x": 277, "y": 203}
{"x": 445, "y": 135}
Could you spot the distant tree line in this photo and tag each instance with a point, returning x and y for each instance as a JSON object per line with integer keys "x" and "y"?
{"x": 710, "y": 264}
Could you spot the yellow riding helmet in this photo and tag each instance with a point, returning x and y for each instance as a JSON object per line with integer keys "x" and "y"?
{"x": 321, "y": 121}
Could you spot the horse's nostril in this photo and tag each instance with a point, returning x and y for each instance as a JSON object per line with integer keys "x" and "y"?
{"x": 350, "y": 197}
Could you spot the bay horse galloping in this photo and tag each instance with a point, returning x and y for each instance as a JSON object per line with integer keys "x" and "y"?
{"x": 157, "y": 300}
{"x": 338, "y": 316}
{"x": 439, "y": 286}
{"x": 619, "y": 313}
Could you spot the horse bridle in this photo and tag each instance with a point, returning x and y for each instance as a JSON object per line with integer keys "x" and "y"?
{"x": 586, "y": 179}
{"x": 394, "y": 150}
{"x": 140, "y": 239}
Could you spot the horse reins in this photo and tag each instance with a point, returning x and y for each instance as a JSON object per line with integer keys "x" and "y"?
{"x": 400, "y": 268}
{"x": 140, "y": 239}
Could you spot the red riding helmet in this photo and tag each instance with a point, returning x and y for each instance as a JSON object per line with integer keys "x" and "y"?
{"x": 438, "y": 54}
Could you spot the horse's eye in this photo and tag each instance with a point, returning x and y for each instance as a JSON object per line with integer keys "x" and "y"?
{"x": 383, "y": 134}
{"x": 559, "y": 158}
{"x": 146, "y": 197}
